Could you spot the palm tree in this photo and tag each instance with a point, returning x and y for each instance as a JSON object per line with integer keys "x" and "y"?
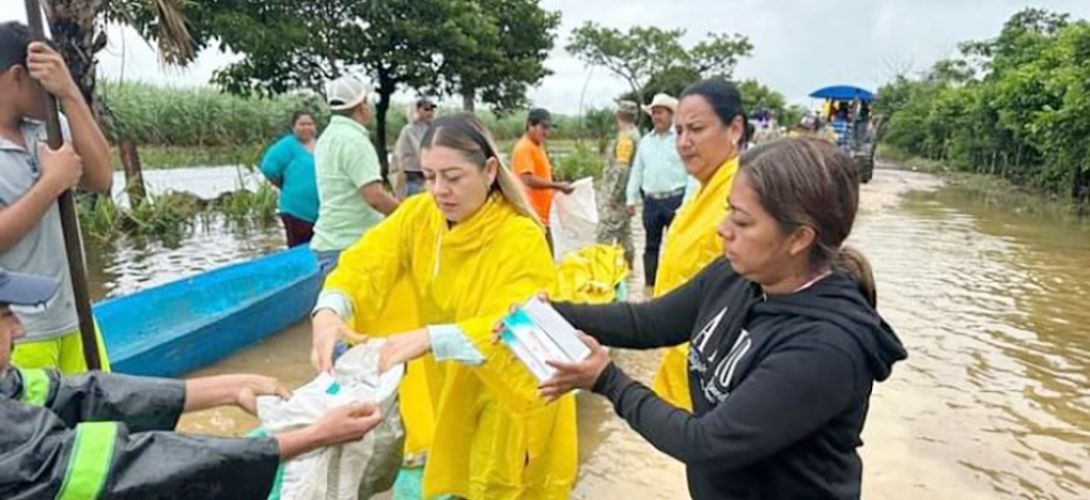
{"x": 78, "y": 28}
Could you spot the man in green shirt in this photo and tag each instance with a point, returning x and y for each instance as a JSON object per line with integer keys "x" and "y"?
{"x": 351, "y": 197}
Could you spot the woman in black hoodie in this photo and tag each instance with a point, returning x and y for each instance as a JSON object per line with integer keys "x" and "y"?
{"x": 786, "y": 341}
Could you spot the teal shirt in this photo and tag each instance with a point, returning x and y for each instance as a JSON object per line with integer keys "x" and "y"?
{"x": 290, "y": 165}
{"x": 344, "y": 161}
{"x": 657, "y": 167}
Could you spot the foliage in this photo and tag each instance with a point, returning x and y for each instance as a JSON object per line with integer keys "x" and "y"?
{"x": 1017, "y": 105}
{"x": 171, "y": 215}
{"x": 581, "y": 162}
{"x": 200, "y": 116}
{"x": 651, "y": 59}
{"x": 499, "y": 51}
{"x": 427, "y": 45}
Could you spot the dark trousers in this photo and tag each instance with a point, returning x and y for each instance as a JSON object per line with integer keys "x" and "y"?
{"x": 657, "y": 214}
{"x": 298, "y": 231}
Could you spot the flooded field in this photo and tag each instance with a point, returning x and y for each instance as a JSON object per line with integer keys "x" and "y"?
{"x": 993, "y": 402}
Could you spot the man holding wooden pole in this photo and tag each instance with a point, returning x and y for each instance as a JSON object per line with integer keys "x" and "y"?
{"x": 32, "y": 178}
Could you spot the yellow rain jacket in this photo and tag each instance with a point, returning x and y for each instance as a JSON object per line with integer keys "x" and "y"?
{"x": 691, "y": 244}
{"x": 494, "y": 437}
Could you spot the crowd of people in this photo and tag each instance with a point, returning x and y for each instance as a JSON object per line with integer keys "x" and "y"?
{"x": 772, "y": 339}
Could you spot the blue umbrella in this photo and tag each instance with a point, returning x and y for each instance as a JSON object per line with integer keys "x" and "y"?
{"x": 843, "y": 93}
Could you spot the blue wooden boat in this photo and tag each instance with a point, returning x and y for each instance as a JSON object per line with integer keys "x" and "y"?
{"x": 173, "y": 329}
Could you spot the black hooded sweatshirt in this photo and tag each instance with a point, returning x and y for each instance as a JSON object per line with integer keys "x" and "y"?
{"x": 780, "y": 384}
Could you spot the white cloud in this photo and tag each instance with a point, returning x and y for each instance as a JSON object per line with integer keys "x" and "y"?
{"x": 799, "y": 45}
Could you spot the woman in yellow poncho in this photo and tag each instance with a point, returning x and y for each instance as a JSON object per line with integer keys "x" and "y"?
{"x": 470, "y": 250}
{"x": 711, "y": 126}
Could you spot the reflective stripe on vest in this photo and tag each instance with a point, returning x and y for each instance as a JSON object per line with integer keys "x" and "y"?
{"x": 89, "y": 464}
{"x": 35, "y": 386}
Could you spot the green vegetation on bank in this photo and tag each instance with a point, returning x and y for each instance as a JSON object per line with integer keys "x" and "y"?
{"x": 1016, "y": 106}
{"x": 992, "y": 190}
{"x": 171, "y": 215}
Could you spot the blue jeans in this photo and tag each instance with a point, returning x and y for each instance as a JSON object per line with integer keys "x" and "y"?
{"x": 327, "y": 261}
{"x": 414, "y": 183}
{"x": 657, "y": 214}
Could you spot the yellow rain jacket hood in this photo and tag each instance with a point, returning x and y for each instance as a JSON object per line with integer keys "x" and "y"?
{"x": 691, "y": 244}
{"x": 494, "y": 437}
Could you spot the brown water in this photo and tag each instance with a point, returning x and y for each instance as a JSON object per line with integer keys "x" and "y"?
{"x": 993, "y": 402}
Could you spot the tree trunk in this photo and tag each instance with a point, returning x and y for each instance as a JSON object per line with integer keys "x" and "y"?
{"x": 469, "y": 100}
{"x": 134, "y": 175}
{"x": 386, "y": 88}
{"x": 72, "y": 23}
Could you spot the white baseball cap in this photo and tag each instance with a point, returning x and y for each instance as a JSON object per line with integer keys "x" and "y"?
{"x": 346, "y": 92}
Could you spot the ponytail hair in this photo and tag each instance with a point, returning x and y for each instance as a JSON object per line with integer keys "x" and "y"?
{"x": 811, "y": 182}
{"x": 852, "y": 262}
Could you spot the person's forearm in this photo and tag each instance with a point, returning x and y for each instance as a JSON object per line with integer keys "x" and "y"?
{"x": 210, "y": 392}
{"x": 297, "y": 442}
{"x": 89, "y": 142}
{"x": 378, "y": 198}
{"x": 20, "y": 217}
{"x": 534, "y": 182}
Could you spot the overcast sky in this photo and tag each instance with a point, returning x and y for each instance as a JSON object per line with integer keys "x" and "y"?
{"x": 799, "y": 45}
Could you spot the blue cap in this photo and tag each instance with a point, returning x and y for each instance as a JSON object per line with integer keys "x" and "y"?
{"x": 25, "y": 289}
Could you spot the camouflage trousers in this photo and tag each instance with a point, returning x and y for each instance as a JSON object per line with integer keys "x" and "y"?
{"x": 613, "y": 219}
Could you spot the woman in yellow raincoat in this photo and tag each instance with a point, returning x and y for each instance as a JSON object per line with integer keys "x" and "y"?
{"x": 470, "y": 250}
{"x": 711, "y": 126}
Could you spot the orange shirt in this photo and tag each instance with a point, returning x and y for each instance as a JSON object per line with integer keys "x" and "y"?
{"x": 530, "y": 158}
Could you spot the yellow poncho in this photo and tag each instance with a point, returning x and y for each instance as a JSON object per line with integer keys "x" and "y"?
{"x": 691, "y": 244}
{"x": 494, "y": 437}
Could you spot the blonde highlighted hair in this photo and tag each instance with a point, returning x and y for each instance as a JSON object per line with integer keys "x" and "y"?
{"x": 465, "y": 133}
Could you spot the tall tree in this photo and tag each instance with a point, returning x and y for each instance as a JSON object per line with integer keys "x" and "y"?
{"x": 78, "y": 30}
{"x": 498, "y": 51}
{"x": 490, "y": 48}
{"x": 643, "y": 55}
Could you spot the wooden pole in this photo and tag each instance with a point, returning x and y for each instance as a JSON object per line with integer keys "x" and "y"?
{"x": 73, "y": 244}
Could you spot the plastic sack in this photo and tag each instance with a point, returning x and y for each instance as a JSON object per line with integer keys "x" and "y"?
{"x": 573, "y": 218}
{"x": 353, "y": 470}
{"x": 595, "y": 274}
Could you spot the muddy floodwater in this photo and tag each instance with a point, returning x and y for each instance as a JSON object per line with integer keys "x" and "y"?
{"x": 993, "y": 402}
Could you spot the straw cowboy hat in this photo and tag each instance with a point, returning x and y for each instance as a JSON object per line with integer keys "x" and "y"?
{"x": 661, "y": 101}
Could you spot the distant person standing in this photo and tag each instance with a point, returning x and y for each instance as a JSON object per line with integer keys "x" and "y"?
{"x": 532, "y": 165}
{"x": 289, "y": 165}
{"x": 614, "y": 219}
{"x": 410, "y": 177}
{"x": 657, "y": 180}
{"x": 350, "y": 193}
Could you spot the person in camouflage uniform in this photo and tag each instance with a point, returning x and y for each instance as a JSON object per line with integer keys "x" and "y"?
{"x": 613, "y": 215}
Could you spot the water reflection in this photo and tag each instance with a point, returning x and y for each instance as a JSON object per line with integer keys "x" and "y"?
{"x": 991, "y": 305}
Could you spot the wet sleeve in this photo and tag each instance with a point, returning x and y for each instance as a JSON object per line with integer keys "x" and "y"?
{"x": 525, "y": 268}
{"x": 369, "y": 268}
{"x": 663, "y": 322}
{"x": 793, "y": 391}
{"x": 141, "y": 403}
{"x": 42, "y": 457}
{"x": 275, "y": 161}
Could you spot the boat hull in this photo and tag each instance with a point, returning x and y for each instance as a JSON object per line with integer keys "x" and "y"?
{"x": 178, "y": 327}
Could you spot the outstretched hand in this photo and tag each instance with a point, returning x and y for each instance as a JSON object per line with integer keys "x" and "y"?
{"x": 576, "y": 375}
